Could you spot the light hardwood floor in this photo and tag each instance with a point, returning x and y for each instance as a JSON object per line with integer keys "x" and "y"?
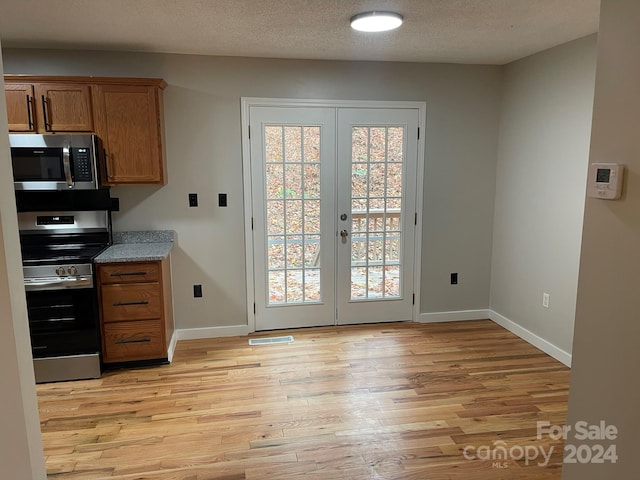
{"x": 388, "y": 401}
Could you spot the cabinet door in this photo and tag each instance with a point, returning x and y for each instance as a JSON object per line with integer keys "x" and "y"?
{"x": 65, "y": 107}
{"x": 20, "y": 112}
{"x": 129, "y": 122}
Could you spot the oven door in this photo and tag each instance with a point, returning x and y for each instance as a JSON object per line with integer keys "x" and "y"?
{"x": 63, "y": 321}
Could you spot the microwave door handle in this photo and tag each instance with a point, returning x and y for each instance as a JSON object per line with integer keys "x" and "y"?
{"x": 66, "y": 163}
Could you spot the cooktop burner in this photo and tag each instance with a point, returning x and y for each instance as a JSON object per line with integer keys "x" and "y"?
{"x": 62, "y": 238}
{"x": 53, "y": 254}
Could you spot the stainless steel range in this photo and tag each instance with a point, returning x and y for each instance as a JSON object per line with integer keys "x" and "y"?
{"x": 58, "y": 249}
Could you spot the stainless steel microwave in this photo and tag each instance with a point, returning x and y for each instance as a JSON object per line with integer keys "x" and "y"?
{"x": 55, "y": 162}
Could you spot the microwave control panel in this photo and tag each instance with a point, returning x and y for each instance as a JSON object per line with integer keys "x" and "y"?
{"x": 605, "y": 180}
{"x": 81, "y": 164}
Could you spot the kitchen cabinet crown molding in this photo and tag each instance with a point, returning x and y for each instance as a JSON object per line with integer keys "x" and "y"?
{"x": 28, "y": 78}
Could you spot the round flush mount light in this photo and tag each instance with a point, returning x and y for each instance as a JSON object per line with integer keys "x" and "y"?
{"x": 376, "y": 21}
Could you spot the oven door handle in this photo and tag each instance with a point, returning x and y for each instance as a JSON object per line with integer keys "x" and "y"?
{"x": 59, "y": 283}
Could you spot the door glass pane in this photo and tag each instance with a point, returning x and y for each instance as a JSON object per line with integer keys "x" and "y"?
{"x": 377, "y": 179}
{"x": 292, "y": 176}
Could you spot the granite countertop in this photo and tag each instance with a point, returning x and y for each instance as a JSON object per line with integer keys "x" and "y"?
{"x": 143, "y": 246}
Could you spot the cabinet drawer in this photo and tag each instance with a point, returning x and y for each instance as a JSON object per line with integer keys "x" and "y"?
{"x": 129, "y": 272}
{"x": 127, "y": 341}
{"x": 134, "y": 301}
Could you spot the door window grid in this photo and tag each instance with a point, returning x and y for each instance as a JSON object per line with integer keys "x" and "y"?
{"x": 376, "y": 190}
{"x": 292, "y": 166}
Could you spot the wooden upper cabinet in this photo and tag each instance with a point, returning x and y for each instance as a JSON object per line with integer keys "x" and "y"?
{"x": 126, "y": 113}
{"x": 20, "y": 107}
{"x": 49, "y": 108}
{"x": 129, "y": 121}
{"x": 64, "y": 107}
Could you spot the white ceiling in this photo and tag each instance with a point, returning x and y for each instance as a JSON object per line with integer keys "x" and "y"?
{"x": 452, "y": 31}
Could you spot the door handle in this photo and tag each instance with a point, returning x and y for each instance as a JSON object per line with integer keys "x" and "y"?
{"x": 344, "y": 233}
{"x": 29, "y": 108}
{"x": 47, "y": 125}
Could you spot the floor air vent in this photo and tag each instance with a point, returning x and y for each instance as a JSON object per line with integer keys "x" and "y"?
{"x": 270, "y": 340}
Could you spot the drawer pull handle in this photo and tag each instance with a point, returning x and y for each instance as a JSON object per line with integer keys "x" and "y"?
{"x": 124, "y": 304}
{"x": 127, "y": 274}
{"x": 133, "y": 340}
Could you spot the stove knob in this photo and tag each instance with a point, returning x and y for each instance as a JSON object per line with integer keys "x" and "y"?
{"x": 60, "y": 271}
{"x": 73, "y": 271}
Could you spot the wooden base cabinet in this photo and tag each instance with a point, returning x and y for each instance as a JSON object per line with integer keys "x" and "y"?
{"x": 136, "y": 313}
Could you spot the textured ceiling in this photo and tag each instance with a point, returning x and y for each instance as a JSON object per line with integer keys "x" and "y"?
{"x": 452, "y": 31}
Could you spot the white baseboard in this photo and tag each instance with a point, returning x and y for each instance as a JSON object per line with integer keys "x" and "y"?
{"x": 172, "y": 346}
{"x": 211, "y": 332}
{"x": 455, "y": 316}
{"x": 433, "y": 317}
{"x": 538, "y": 342}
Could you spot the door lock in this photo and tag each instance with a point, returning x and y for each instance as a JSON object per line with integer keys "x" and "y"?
{"x": 343, "y": 217}
{"x": 344, "y": 233}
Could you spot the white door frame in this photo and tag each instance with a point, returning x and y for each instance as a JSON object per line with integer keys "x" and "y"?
{"x": 247, "y": 103}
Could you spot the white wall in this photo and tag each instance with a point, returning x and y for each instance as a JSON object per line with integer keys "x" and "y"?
{"x": 202, "y": 113}
{"x": 21, "y": 454}
{"x": 604, "y": 378}
{"x": 543, "y": 154}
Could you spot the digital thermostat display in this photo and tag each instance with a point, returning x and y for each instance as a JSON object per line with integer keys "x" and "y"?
{"x": 605, "y": 181}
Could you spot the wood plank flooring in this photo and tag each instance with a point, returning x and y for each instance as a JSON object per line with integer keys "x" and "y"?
{"x": 388, "y": 401}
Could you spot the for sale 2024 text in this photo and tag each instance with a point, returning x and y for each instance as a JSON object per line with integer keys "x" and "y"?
{"x": 584, "y": 431}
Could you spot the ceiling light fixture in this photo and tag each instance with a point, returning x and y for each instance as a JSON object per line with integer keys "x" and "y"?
{"x": 376, "y": 21}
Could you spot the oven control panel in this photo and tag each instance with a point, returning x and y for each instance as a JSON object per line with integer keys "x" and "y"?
{"x": 69, "y": 271}
{"x": 45, "y": 271}
{"x": 55, "y": 220}
{"x": 63, "y": 222}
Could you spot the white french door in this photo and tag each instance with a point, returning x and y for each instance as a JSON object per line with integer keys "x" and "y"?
{"x": 333, "y": 205}
{"x": 293, "y": 162}
{"x": 377, "y": 152}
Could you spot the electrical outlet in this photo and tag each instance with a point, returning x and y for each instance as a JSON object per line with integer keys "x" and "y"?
{"x": 545, "y": 300}
{"x": 454, "y": 279}
{"x": 193, "y": 199}
{"x": 222, "y": 199}
{"x": 197, "y": 291}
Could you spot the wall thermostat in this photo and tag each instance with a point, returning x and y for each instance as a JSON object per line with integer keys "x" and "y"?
{"x": 605, "y": 180}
